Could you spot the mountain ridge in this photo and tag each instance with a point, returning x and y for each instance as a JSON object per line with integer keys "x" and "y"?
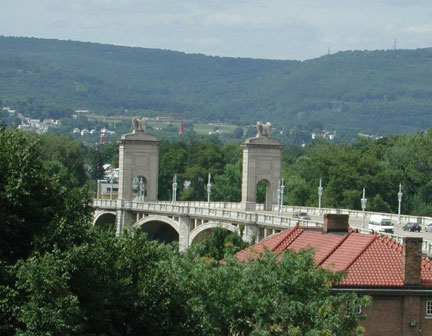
{"x": 379, "y": 92}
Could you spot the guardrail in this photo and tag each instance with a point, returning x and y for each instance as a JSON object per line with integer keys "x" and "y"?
{"x": 354, "y": 213}
{"x": 234, "y": 213}
{"x": 310, "y": 210}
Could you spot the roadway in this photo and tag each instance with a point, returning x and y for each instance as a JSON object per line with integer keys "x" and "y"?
{"x": 357, "y": 223}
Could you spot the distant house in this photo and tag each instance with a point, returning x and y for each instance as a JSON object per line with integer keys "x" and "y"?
{"x": 105, "y": 130}
{"x": 363, "y": 135}
{"x": 398, "y": 277}
{"x": 35, "y": 123}
{"x": 85, "y": 131}
{"x": 329, "y": 135}
{"x": 9, "y": 110}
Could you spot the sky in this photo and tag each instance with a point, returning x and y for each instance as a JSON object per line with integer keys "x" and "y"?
{"x": 271, "y": 29}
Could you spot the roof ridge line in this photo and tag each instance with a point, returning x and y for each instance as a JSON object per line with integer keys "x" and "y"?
{"x": 364, "y": 250}
{"x": 336, "y": 247}
{"x": 297, "y": 231}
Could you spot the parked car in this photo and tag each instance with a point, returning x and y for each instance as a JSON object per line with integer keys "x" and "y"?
{"x": 412, "y": 227}
{"x": 301, "y": 215}
{"x": 428, "y": 228}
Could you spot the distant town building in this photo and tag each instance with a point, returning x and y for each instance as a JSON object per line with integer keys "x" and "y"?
{"x": 329, "y": 135}
{"x": 35, "y": 125}
{"x": 107, "y": 131}
{"x": 374, "y": 137}
{"x": 103, "y": 138}
{"x": 9, "y": 110}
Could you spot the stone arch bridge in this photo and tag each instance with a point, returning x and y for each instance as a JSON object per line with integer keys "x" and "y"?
{"x": 190, "y": 222}
{"x": 135, "y": 202}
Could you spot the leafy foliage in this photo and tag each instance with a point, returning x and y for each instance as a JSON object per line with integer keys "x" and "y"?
{"x": 59, "y": 275}
{"x": 220, "y": 245}
{"x": 192, "y": 162}
{"x": 273, "y": 295}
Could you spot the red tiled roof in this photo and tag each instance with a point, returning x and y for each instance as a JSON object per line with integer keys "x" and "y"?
{"x": 370, "y": 260}
{"x": 270, "y": 244}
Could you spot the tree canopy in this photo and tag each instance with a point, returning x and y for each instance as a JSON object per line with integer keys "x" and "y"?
{"x": 61, "y": 276}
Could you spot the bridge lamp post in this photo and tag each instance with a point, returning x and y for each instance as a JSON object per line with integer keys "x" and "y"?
{"x": 174, "y": 189}
{"x": 363, "y": 205}
{"x": 111, "y": 189}
{"x": 282, "y": 193}
{"x": 208, "y": 190}
{"x": 400, "y": 202}
{"x": 279, "y": 197}
{"x": 320, "y": 192}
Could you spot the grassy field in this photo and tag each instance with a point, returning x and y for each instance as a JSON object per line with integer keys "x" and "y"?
{"x": 163, "y": 126}
{"x": 206, "y": 128}
{"x": 198, "y": 128}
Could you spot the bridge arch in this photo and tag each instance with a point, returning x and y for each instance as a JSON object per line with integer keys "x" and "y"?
{"x": 201, "y": 232}
{"x": 105, "y": 219}
{"x": 159, "y": 228}
{"x": 263, "y": 193}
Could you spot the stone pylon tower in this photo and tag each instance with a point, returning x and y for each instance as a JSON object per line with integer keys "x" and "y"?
{"x": 262, "y": 160}
{"x": 139, "y": 164}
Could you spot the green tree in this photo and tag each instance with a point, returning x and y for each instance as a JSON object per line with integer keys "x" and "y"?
{"x": 227, "y": 186}
{"x": 96, "y": 164}
{"x": 107, "y": 285}
{"x": 220, "y": 245}
{"x": 66, "y": 153}
{"x": 31, "y": 202}
{"x": 38, "y": 215}
{"x": 283, "y": 294}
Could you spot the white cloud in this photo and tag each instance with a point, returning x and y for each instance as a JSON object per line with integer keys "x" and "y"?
{"x": 426, "y": 28}
{"x": 256, "y": 28}
{"x": 233, "y": 19}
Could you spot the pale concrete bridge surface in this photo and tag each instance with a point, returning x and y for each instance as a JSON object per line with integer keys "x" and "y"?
{"x": 136, "y": 203}
{"x": 193, "y": 221}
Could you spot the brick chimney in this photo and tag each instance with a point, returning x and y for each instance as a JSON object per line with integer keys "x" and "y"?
{"x": 411, "y": 261}
{"x": 335, "y": 223}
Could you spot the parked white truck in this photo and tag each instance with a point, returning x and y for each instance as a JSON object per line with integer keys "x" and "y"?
{"x": 381, "y": 223}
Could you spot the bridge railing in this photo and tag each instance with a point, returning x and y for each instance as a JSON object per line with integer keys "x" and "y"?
{"x": 354, "y": 213}
{"x": 218, "y": 205}
{"x": 310, "y": 210}
{"x": 225, "y": 211}
{"x": 104, "y": 203}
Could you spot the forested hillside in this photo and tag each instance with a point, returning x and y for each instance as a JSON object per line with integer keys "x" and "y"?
{"x": 378, "y": 92}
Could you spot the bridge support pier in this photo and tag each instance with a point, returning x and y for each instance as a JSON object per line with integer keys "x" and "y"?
{"x": 262, "y": 161}
{"x": 185, "y": 228}
{"x": 251, "y": 233}
{"x": 123, "y": 218}
{"x": 118, "y": 221}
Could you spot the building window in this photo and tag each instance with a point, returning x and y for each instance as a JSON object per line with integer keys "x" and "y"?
{"x": 429, "y": 308}
{"x": 352, "y": 308}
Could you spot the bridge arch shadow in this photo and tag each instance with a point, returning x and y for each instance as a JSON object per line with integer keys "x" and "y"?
{"x": 105, "y": 220}
{"x": 263, "y": 193}
{"x": 159, "y": 228}
{"x": 205, "y": 231}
